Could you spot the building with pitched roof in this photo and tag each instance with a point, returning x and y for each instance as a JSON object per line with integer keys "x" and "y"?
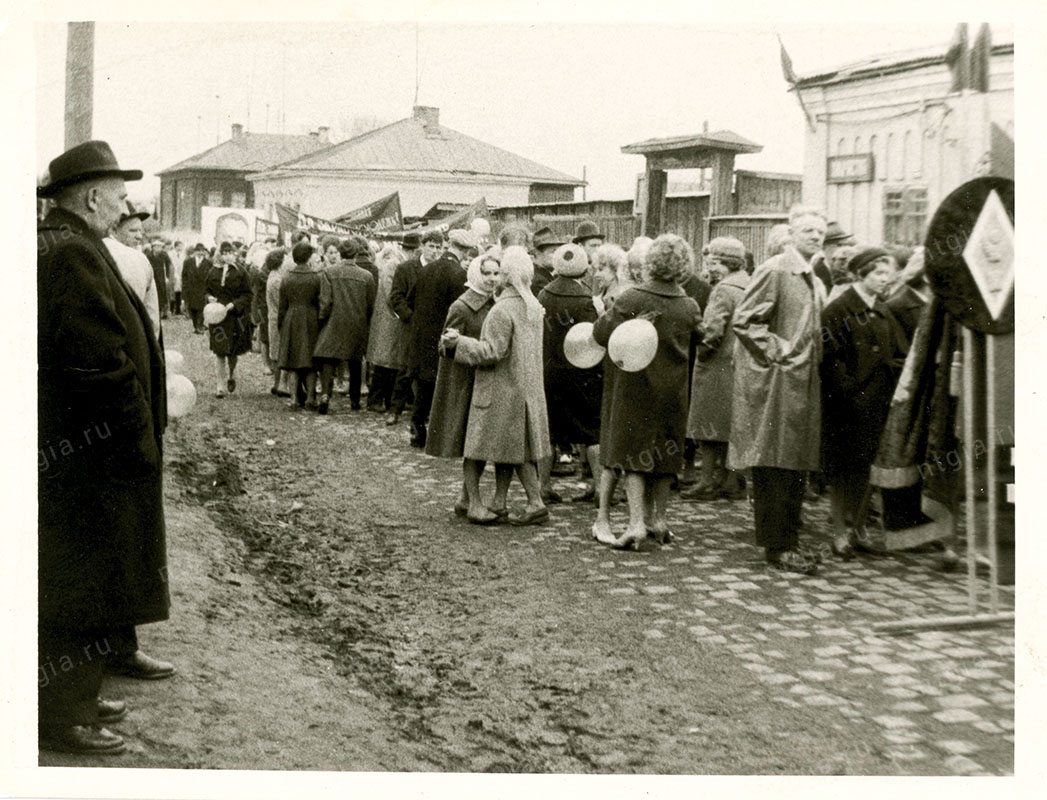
{"x": 426, "y": 162}
{"x": 218, "y": 176}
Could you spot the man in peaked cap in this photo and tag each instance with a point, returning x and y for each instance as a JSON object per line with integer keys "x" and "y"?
{"x": 545, "y": 244}
{"x": 102, "y": 410}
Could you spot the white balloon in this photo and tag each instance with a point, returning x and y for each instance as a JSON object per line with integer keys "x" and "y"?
{"x": 175, "y": 362}
{"x": 633, "y": 344}
{"x": 480, "y": 227}
{"x": 580, "y": 348}
{"x": 181, "y": 395}
{"x": 214, "y": 313}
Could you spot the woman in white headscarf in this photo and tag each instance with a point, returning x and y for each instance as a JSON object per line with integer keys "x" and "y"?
{"x": 454, "y": 382}
{"x": 508, "y": 422}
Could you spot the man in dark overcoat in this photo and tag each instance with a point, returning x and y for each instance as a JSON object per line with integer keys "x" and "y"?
{"x": 162, "y": 269}
{"x": 102, "y": 413}
{"x": 419, "y": 251}
{"x": 438, "y": 285}
{"x": 194, "y": 285}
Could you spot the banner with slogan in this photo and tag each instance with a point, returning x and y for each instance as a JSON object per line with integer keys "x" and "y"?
{"x": 266, "y": 229}
{"x": 292, "y": 220}
{"x": 380, "y": 215}
{"x": 459, "y": 219}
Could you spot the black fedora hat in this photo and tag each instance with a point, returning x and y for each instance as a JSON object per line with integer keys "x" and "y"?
{"x": 89, "y": 160}
{"x": 544, "y": 237}
{"x": 132, "y": 213}
{"x": 587, "y": 229}
{"x": 412, "y": 241}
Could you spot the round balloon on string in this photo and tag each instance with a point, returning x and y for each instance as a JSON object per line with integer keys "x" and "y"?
{"x": 181, "y": 395}
{"x": 214, "y": 313}
{"x": 633, "y": 344}
{"x": 174, "y": 361}
{"x": 580, "y": 348}
{"x": 480, "y": 227}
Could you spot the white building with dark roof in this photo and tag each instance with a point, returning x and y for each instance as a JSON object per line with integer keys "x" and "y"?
{"x": 890, "y": 136}
{"x": 426, "y": 162}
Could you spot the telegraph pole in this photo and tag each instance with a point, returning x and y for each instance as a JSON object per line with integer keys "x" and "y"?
{"x": 79, "y": 82}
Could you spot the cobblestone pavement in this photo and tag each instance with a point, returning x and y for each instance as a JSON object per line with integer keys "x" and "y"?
{"x": 943, "y": 698}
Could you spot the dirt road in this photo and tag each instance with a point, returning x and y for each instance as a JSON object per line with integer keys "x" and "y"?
{"x": 330, "y": 612}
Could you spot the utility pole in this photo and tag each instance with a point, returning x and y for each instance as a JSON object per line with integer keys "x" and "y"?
{"x": 79, "y": 82}
{"x": 584, "y": 183}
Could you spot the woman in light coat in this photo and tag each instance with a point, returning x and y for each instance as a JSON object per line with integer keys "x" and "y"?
{"x": 448, "y": 420}
{"x": 383, "y": 343}
{"x": 709, "y": 420}
{"x": 508, "y": 423}
{"x": 278, "y": 263}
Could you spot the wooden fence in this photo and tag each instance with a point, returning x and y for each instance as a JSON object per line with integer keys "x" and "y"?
{"x": 750, "y": 230}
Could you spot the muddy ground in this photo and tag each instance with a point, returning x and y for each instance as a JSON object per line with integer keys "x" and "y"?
{"x": 331, "y": 613}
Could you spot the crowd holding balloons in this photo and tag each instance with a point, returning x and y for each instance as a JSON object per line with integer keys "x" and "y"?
{"x": 541, "y": 356}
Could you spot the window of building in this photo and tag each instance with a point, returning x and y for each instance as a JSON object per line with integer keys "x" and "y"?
{"x": 214, "y": 199}
{"x": 904, "y": 215}
{"x": 238, "y": 200}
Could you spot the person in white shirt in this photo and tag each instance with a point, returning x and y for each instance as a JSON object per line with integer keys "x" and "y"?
{"x": 124, "y": 242}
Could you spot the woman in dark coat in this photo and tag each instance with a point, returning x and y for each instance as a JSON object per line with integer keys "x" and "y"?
{"x": 864, "y": 348}
{"x": 229, "y": 285}
{"x": 508, "y": 423}
{"x": 644, "y": 414}
{"x": 298, "y": 319}
{"x": 572, "y": 395}
{"x": 454, "y": 381}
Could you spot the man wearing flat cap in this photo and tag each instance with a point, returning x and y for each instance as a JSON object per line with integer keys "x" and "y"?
{"x": 125, "y": 247}
{"x": 102, "y": 412}
{"x": 438, "y": 285}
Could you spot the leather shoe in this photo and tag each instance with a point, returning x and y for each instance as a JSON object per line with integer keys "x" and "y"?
{"x": 530, "y": 517}
{"x": 83, "y": 740}
{"x": 140, "y": 666}
{"x": 325, "y": 401}
{"x": 110, "y": 711}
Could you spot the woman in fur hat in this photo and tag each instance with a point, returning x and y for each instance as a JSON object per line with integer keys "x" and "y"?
{"x": 572, "y": 394}
{"x": 864, "y": 348}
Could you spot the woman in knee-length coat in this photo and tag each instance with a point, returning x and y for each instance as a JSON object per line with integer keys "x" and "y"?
{"x": 508, "y": 424}
{"x": 864, "y": 351}
{"x": 644, "y": 414}
{"x": 299, "y": 319}
{"x": 229, "y": 285}
{"x": 449, "y": 417}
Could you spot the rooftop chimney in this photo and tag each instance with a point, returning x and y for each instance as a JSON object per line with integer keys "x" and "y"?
{"x": 429, "y": 116}
{"x": 238, "y": 130}
{"x": 323, "y": 131}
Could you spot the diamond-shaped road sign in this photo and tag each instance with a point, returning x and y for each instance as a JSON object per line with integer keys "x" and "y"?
{"x": 989, "y": 254}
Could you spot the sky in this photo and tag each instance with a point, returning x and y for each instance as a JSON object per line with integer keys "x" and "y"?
{"x": 565, "y": 95}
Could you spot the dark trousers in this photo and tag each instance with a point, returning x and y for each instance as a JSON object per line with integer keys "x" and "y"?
{"x": 176, "y": 303}
{"x": 423, "y": 402}
{"x": 197, "y": 316}
{"x": 383, "y": 380}
{"x": 328, "y": 366}
{"x": 777, "y": 499}
{"x": 69, "y": 675}
{"x": 403, "y": 391}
